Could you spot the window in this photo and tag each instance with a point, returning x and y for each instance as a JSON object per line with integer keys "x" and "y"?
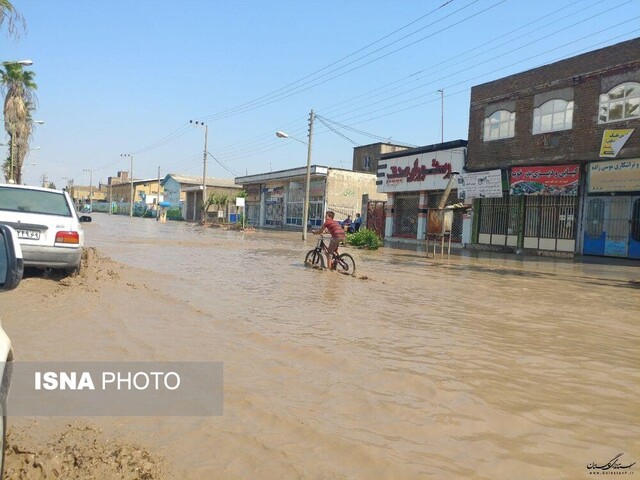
{"x": 620, "y": 103}
{"x": 366, "y": 165}
{"x": 500, "y": 124}
{"x": 34, "y": 201}
{"x": 553, "y": 116}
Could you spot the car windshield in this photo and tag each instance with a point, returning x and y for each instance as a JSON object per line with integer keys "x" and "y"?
{"x": 33, "y": 201}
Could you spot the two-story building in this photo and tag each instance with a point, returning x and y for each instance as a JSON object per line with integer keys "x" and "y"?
{"x": 565, "y": 138}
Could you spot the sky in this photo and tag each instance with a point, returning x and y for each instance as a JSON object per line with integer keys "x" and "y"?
{"x": 122, "y": 78}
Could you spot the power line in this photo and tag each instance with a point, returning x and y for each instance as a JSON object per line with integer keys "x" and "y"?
{"x": 253, "y": 103}
{"x": 300, "y": 90}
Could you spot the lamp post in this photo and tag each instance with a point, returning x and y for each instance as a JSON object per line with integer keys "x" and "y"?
{"x": 24, "y": 63}
{"x": 90, "y": 187}
{"x": 204, "y": 168}
{"x": 131, "y": 174}
{"x": 441, "y": 115}
{"x": 305, "y": 211}
{"x": 12, "y": 145}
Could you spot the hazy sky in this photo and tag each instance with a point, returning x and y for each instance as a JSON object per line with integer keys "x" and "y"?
{"x": 126, "y": 76}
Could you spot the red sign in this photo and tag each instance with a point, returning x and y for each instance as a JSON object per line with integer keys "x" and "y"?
{"x": 419, "y": 172}
{"x": 552, "y": 180}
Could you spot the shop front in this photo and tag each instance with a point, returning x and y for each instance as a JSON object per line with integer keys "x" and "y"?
{"x": 252, "y": 203}
{"x": 539, "y": 211}
{"x": 611, "y": 225}
{"x": 276, "y": 199}
{"x": 414, "y": 181}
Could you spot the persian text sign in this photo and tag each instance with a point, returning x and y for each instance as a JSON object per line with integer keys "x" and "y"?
{"x": 427, "y": 171}
{"x": 552, "y": 180}
{"x": 480, "y": 185}
{"x": 613, "y": 141}
{"x": 615, "y": 176}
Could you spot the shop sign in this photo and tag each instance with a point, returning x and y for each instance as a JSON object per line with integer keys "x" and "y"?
{"x": 253, "y": 193}
{"x": 614, "y": 176}
{"x": 421, "y": 172}
{"x": 275, "y": 193}
{"x": 552, "y": 180}
{"x": 316, "y": 188}
{"x": 613, "y": 141}
{"x": 480, "y": 185}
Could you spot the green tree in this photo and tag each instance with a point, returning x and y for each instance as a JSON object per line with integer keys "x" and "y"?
{"x": 19, "y": 89}
{"x": 10, "y": 17}
{"x": 216, "y": 199}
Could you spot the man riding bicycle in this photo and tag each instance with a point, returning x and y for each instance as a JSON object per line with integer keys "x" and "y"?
{"x": 336, "y": 231}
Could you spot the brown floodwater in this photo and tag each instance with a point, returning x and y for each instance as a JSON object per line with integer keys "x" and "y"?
{"x": 468, "y": 368}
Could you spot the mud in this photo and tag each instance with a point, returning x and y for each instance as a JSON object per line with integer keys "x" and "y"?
{"x": 79, "y": 452}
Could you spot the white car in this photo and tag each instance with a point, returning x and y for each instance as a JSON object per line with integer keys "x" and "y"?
{"x": 11, "y": 268}
{"x": 47, "y": 225}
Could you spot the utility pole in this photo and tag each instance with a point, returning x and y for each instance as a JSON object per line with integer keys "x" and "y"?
{"x": 305, "y": 212}
{"x": 12, "y": 148}
{"x": 204, "y": 169}
{"x": 158, "y": 199}
{"x": 131, "y": 174}
{"x": 441, "y": 115}
{"x": 90, "y": 187}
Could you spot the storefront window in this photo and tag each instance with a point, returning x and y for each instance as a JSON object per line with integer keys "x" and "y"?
{"x": 595, "y": 217}
{"x": 295, "y": 202}
{"x": 274, "y": 206}
{"x": 405, "y": 219}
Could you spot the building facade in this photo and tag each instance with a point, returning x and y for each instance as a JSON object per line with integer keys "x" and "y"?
{"x": 276, "y": 199}
{"x": 185, "y": 192}
{"x": 367, "y": 157}
{"x": 414, "y": 182}
{"x": 565, "y": 138}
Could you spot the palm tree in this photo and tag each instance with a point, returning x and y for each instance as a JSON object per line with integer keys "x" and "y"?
{"x": 14, "y": 21}
{"x": 19, "y": 102}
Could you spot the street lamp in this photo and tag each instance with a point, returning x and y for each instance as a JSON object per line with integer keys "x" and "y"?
{"x": 24, "y": 63}
{"x": 204, "y": 169}
{"x": 305, "y": 211}
{"x": 131, "y": 174}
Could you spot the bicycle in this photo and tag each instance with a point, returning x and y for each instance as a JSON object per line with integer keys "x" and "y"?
{"x": 343, "y": 263}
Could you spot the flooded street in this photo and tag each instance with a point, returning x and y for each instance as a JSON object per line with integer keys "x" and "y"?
{"x": 468, "y": 368}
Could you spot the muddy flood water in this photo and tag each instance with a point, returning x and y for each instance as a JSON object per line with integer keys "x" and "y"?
{"x": 416, "y": 368}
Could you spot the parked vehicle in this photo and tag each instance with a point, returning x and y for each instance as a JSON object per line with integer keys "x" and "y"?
{"x": 47, "y": 225}
{"x": 11, "y": 268}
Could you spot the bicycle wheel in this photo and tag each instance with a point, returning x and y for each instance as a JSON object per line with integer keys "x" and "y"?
{"x": 346, "y": 264}
{"x": 314, "y": 259}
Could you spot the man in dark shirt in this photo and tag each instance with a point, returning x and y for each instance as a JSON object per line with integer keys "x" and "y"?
{"x": 337, "y": 235}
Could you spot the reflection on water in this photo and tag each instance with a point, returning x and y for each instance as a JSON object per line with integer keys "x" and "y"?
{"x": 466, "y": 368}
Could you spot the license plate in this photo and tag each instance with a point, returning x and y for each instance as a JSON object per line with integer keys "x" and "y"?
{"x": 29, "y": 234}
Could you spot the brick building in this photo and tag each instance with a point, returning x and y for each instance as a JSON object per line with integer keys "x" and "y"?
{"x": 366, "y": 157}
{"x": 565, "y": 138}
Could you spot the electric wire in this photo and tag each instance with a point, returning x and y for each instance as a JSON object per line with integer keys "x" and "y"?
{"x": 252, "y": 103}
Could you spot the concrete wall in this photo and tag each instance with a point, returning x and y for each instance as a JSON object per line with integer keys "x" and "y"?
{"x": 345, "y": 189}
{"x": 583, "y": 78}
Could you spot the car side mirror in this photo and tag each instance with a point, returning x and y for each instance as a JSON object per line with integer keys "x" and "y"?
{"x": 11, "y": 263}
{"x": 85, "y": 218}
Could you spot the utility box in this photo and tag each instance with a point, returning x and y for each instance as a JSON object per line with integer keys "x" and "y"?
{"x": 439, "y": 222}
